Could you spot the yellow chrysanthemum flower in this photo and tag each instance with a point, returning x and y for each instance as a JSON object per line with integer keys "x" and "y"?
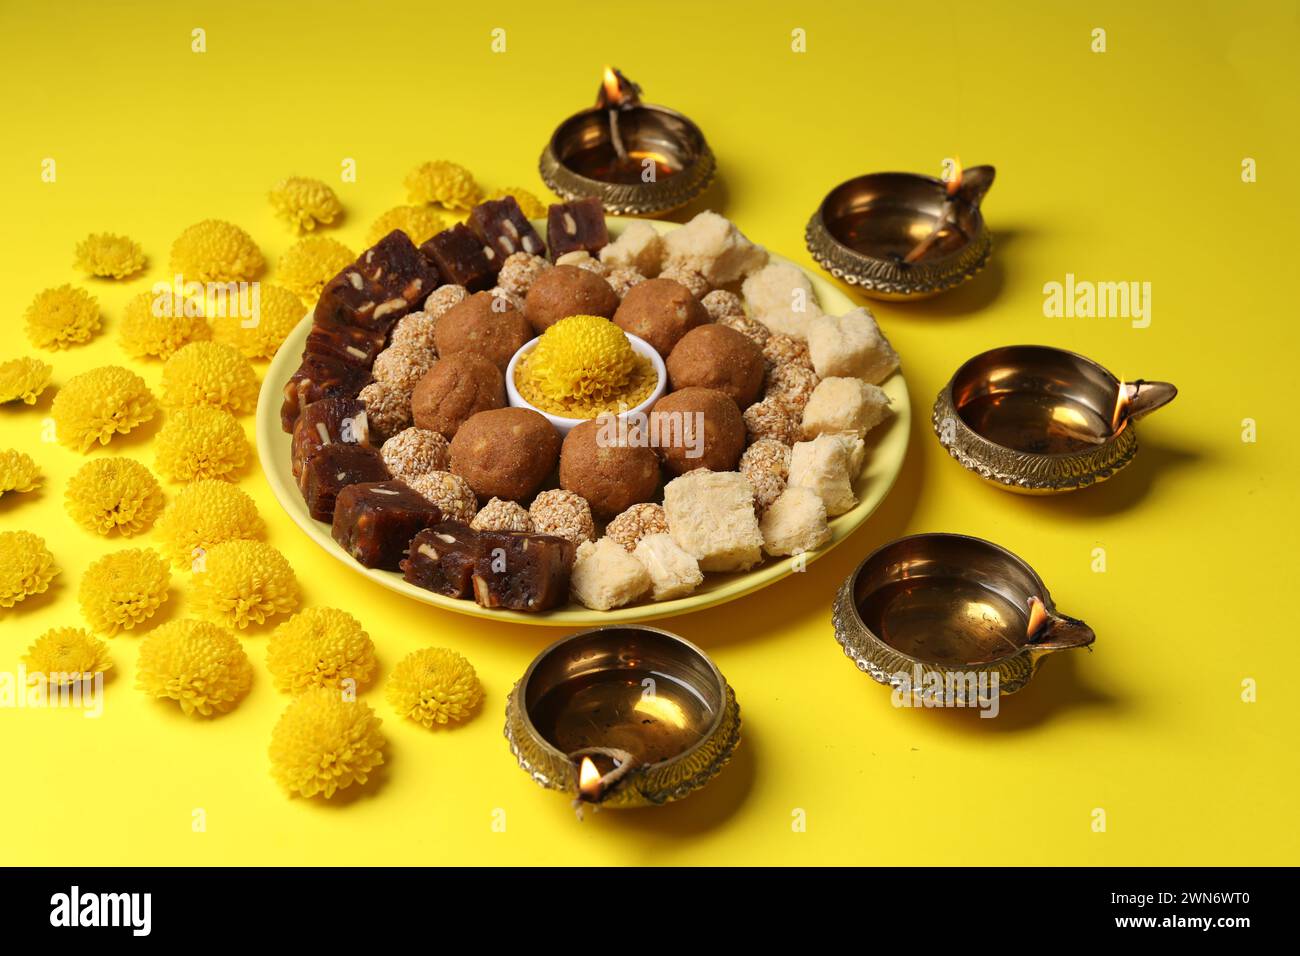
{"x": 200, "y": 443}
{"x": 258, "y": 336}
{"x": 303, "y": 203}
{"x": 199, "y": 665}
{"x": 420, "y": 223}
{"x": 581, "y": 366}
{"x": 58, "y": 318}
{"x": 320, "y": 647}
{"x": 23, "y": 380}
{"x": 238, "y": 583}
{"x": 108, "y": 256}
{"x": 216, "y": 251}
{"x": 309, "y": 263}
{"x": 324, "y": 743}
{"x": 434, "y": 685}
{"x": 124, "y": 589}
{"x": 210, "y": 375}
{"x": 26, "y": 566}
{"x": 18, "y": 472}
{"x": 204, "y": 514}
{"x": 449, "y": 185}
{"x": 156, "y": 324}
{"x": 532, "y": 207}
{"x": 64, "y": 656}
{"x": 113, "y": 494}
{"x": 96, "y": 405}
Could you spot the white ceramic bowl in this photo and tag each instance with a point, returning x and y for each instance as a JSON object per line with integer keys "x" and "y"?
{"x": 565, "y": 425}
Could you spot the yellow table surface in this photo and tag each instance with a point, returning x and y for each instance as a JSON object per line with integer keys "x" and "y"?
{"x": 1124, "y": 165}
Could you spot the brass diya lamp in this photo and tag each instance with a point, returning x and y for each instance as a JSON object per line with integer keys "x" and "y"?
{"x": 902, "y": 236}
{"x": 638, "y": 159}
{"x": 1039, "y": 420}
{"x": 950, "y": 607}
{"x": 622, "y": 716}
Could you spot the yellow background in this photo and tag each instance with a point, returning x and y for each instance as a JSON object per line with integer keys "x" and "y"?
{"x": 1123, "y": 165}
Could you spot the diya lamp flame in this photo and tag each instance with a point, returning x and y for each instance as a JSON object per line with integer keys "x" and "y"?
{"x": 593, "y": 786}
{"x": 1038, "y": 616}
{"x": 617, "y": 91}
{"x": 1123, "y": 401}
{"x": 954, "y": 181}
{"x": 588, "y": 780}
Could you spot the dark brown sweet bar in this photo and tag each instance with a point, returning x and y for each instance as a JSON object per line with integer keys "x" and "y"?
{"x": 320, "y": 376}
{"x": 387, "y": 281}
{"x": 352, "y": 319}
{"x": 504, "y": 230}
{"x": 576, "y": 227}
{"x": 522, "y": 572}
{"x": 442, "y": 559}
{"x": 334, "y": 468}
{"x": 328, "y": 421}
{"x": 353, "y": 344}
{"x": 461, "y": 258}
{"x": 375, "y": 522}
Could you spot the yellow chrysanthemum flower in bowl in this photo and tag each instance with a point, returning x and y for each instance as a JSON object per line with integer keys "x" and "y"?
{"x": 26, "y": 566}
{"x": 199, "y": 665}
{"x": 581, "y": 366}
{"x": 434, "y": 685}
{"x": 23, "y": 380}
{"x": 18, "y": 472}
{"x": 238, "y": 583}
{"x": 531, "y": 206}
{"x": 325, "y": 742}
{"x": 311, "y": 262}
{"x": 157, "y": 324}
{"x": 60, "y": 317}
{"x": 96, "y": 405}
{"x": 216, "y": 251}
{"x": 113, "y": 494}
{"x": 64, "y": 656}
{"x": 443, "y": 183}
{"x": 258, "y": 336}
{"x": 108, "y": 256}
{"x": 199, "y": 443}
{"x": 420, "y": 223}
{"x": 206, "y": 513}
{"x": 320, "y": 647}
{"x": 304, "y": 203}
{"x": 124, "y": 589}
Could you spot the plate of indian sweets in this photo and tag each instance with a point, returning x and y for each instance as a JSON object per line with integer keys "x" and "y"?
{"x": 580, "y": 420}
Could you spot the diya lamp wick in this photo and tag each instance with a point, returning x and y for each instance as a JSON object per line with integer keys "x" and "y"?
{"x": 965, "y": 189}
{"x": 947, "y": 218}
{"x": 593, "y": 786}
{"x": 617, "y": 93}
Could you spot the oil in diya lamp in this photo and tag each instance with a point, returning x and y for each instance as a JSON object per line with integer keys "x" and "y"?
{"x": 903, "y": 236}
{"x": 638, "y": 159}
{"x": 622, "y": 716}
{"x": 943, "y": 607}
{"x": 1039, "y": 420}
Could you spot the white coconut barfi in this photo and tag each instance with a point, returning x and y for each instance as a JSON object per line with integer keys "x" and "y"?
{"x": 711, "y": 517}
{"x": 851, "y": 346}
{"x": 844, "y": 405}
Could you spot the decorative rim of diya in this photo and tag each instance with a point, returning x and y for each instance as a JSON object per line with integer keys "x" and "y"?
{"x": 892, "y": 277}
{"x": 620, "y": 97}
{"x": 644, "y": 785}
{"x": 1048, "y": 630}
{"x": 1045, "y": 473}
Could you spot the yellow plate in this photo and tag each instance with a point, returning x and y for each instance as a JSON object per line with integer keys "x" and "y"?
{"x": 886, "y": 446}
